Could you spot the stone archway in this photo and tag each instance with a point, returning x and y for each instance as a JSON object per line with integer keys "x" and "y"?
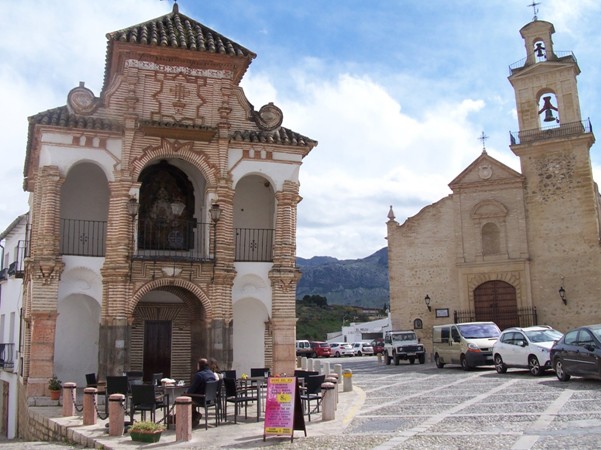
{"x": 496, "y": 301}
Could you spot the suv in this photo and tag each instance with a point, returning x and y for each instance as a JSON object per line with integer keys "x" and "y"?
{"x": 320, "y": 349}
{"x": 403, "y": 345}
{"x": 526, "y": 348}
{"x": 303, "y": 348}
{"x": 362, "y": 348}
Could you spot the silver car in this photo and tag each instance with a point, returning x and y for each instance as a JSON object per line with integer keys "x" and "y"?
{"x": 341, "y": 349}
{"x": 362, "y": 348}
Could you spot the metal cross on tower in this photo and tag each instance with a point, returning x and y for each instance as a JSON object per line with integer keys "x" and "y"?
{"x": 483, "y": 138}
{"x": 534, "y": 5}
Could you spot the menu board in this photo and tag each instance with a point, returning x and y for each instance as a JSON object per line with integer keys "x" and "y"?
{"x": 283, "y": 412}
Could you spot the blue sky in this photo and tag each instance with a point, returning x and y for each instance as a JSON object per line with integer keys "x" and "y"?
{"x": 396, "y": 92}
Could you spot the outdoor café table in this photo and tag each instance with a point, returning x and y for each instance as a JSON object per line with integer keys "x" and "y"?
{"x": 253, "y": 384}
{"x": 171, "y": 391}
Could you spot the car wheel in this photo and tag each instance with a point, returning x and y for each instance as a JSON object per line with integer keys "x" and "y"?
{"x": 359, "y": 354}
{"x": 411, "y": 360}
{"x": 388, "y": 359}
{"x": 560, "y": 371}
{"x": 500, "y": 365}
{"x": 437, "y": 361}
{"x": 313, "y": 355}
{"x": 422, "y": 359}
{"x": 534, "y": 366}
{"x": 337, "y": 355}
{"x": 396, "y": 359}
{"x": 464, "y": 364}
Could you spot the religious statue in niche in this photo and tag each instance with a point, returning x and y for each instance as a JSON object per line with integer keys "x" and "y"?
{"x": 166, "y": 209}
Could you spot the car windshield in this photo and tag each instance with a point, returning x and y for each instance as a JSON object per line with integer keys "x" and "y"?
{"x": 480, "y": 330}
{"x": 404, "y": 337}
{"x": 596, "y": 332}
{"x": 543, "y": 335}
{"x": 324, "y": 345}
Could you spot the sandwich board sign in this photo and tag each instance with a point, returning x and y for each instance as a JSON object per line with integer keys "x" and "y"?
{"x": 283, "y": 410}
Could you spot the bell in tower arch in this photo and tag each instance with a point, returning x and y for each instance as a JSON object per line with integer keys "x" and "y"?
{"x": 539, "y": 50}
{"x": 548, "y": 109}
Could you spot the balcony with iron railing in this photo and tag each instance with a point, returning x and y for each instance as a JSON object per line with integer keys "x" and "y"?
{"x": 165, "y": 241}
{"x": 559, "y": 56}
{"x": 565, "y": 130}
{"x": 7, "y": 356}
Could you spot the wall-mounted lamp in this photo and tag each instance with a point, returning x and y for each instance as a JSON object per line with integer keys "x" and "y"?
{"x": 133, "y": 207}
{"x": 562, "y": 295}
{"x": 427, "y": 301}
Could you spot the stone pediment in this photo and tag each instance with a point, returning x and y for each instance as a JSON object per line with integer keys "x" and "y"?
{"x": 485, "y": 171}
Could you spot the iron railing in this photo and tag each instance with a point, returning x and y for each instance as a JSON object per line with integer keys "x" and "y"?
{"x": 253, "y": 244}
{"x": 186, "y": 240}
{"x": 7, "y": 356}
{"x": 504, "y": 317}
{"x": 552, "y": 132}
{"x": 83, "y": 237}
{"x": 559, "y": 55}
{"x": 162, "y": 240}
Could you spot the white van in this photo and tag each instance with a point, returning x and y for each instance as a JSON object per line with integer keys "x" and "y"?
{"x": 468, "y": 344}
{"x": 303, "y": 348}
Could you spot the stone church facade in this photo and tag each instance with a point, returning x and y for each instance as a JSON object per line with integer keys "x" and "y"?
{"x": 162, "y": 223}
{"x": 504, "y": 243}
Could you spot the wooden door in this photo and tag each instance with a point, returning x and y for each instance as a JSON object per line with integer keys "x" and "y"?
{"x": 157, "y": 348}
{"x": 496, "y": 301}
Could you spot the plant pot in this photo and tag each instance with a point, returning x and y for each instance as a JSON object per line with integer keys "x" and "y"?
{"x": 55, "y": 395}
{"x": 145, "y": 436}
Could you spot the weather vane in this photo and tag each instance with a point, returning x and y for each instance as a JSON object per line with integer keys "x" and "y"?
{"x": 483, "y": 138}
{"x": 534, "y": 5}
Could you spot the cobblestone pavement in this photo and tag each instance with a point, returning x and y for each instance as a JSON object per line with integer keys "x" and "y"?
{"x": 420, "y": 406}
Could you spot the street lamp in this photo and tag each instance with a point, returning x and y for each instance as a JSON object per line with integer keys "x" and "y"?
{"x": 427, "y": 302}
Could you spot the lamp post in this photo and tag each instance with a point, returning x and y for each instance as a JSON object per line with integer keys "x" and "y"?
{"x": 215, "y": 216}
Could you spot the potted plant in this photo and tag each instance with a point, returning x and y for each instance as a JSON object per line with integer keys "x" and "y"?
{"x": 54, "y": 386}
{"x": 146, "y": 431}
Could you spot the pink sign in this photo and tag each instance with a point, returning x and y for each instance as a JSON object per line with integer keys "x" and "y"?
{"x": 279, "y": 406}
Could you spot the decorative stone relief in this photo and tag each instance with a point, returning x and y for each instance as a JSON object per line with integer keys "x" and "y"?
{"x": 81, "y": 100}
{"x": 269, "y": 117}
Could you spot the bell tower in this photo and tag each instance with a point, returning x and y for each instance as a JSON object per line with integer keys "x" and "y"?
{"x": 553, "y": 144}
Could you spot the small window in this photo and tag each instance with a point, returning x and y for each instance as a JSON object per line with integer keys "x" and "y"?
{"x": 571, "y": 337}
{"x": 444, "y": 334}
{"x": 418, "y": 324}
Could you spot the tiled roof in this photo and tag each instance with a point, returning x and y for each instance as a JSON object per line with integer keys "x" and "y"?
{"x": 179, "y": 31}
{"x": 282, "y": 136}
{"x": 62, "y": 117}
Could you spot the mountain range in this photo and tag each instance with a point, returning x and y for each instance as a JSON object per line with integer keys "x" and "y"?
{"x": 351, "y": 282}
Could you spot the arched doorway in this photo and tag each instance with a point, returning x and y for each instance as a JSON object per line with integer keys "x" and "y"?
{"x": 496, "y": 301}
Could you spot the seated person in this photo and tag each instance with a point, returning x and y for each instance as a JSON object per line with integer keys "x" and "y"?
{"x": 198, "y": 385}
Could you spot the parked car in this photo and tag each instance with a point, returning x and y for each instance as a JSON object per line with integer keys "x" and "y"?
{"x": 378, "y": 345}
{"x": 578, "y": 353}
{"x": 320, "y": 349}
{"x": 341, "y": 349}
{"x": 469, "y": 344}
{"x": 362, "y": 348}
{"x": 303, "y": 348}
{"x": 526, "y": 348}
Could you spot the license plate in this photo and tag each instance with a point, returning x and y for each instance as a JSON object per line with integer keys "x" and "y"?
{"x": 410, "y": 354}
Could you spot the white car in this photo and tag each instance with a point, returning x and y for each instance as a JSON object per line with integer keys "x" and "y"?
{"x": 362, "y": 348}
{"x": 341, "y": 349}
{"x": 525, "y": 348}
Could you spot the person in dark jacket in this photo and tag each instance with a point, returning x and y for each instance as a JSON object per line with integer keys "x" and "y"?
{"x": 201, "y": 377}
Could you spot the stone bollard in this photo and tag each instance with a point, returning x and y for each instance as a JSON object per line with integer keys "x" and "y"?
{"x": 298, "y": 362}
{"x": 304, "y": 363}
{"x": 116, "y": 414}
{"x": 89, "y": 409}
{"x": 310, "y": 362}
{"x": 317, "y": 365}
{"x": 325, "y": 368}
{"x": 183, "y": 419}
{"x": 347, "y": 380}
{"x": 334, "y": 381}
{"x": 338, "y": 371}
{"x": 379, "y": 358}
{"x": 328, "y": 403}
{"x": 69, "y": 394}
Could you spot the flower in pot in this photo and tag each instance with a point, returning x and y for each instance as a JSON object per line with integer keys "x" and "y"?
{"x": 146, "y": 431}
{"x": 54, "y": 386}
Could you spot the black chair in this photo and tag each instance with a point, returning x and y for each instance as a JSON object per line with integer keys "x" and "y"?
{"x": 116, "y": 385}
{"x": 312, "y": 392}
{"x": 229, "y": 374}
{"x": 143, "y": 399}
{"x": 238, "y": 395}
{"x": 259, "y": 372}
{"x": 210, "y": 399}
{"x": 91, "y": 380}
